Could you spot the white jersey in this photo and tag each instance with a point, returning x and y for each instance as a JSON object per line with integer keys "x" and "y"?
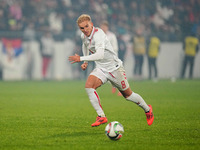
{"x": 101, "y": 51}
{"x": 113, "y": 40}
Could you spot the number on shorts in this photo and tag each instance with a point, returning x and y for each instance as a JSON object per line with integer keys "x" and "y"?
{"x": 123, "y": 84}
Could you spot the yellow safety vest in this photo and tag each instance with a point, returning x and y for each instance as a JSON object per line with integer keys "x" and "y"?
{"x": 139, "y": 46}
{"x": 191, "y": 44}
{"x": 153, "y": 47}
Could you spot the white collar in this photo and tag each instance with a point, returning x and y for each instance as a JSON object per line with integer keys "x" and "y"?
{"x": 92, "y": 33}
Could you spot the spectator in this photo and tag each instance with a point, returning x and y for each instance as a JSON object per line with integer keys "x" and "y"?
{"x": 174, "y": 18}
{"x": 15, "y": 10}
{"x": 56, "y": 22}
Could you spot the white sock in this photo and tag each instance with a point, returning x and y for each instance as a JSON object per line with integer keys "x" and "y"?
{"x": 136, "y": 98}
{"x": 95, "y": 101}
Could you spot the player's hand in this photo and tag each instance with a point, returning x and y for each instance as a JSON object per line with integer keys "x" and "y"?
{"x": 84, "y": 66}
{"x": 74, "y": 59}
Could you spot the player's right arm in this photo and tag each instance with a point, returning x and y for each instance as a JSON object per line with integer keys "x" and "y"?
{"x": 99, "y": 46}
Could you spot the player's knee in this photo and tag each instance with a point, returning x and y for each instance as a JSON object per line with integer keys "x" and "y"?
{"x": 94, "y": 84}
{"x": 88, "y": 85}
{"x": 126, "y": 93}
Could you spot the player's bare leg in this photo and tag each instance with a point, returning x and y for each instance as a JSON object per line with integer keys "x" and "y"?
{"x": 91, "y": 85}
{"x": 136, "y": 98}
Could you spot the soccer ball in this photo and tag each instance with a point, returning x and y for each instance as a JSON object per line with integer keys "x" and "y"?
{"x": 114, "y": 130}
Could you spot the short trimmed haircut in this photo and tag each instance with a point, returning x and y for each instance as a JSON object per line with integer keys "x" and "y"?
{"x": 83, "y": 17}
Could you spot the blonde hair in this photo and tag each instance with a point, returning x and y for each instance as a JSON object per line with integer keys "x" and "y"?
{"x": 83, "y": 17}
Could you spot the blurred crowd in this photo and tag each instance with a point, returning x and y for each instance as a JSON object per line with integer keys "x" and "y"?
{"x": 49, "y": 21}
{"x": 171, "y": 20}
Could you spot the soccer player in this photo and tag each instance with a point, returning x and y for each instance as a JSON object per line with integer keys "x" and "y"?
{"x": 108, "y": 68}
{"x": 113, "y": 40}
{"x": 110, "y": 35}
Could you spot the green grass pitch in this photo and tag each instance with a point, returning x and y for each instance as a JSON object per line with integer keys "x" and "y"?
{"x": 58, "y": 115}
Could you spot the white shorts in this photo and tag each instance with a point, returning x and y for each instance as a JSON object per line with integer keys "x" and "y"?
{"x": 117, "y": 78}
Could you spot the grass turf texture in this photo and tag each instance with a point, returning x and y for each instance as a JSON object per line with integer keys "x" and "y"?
{"x": 58, "y": 115}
